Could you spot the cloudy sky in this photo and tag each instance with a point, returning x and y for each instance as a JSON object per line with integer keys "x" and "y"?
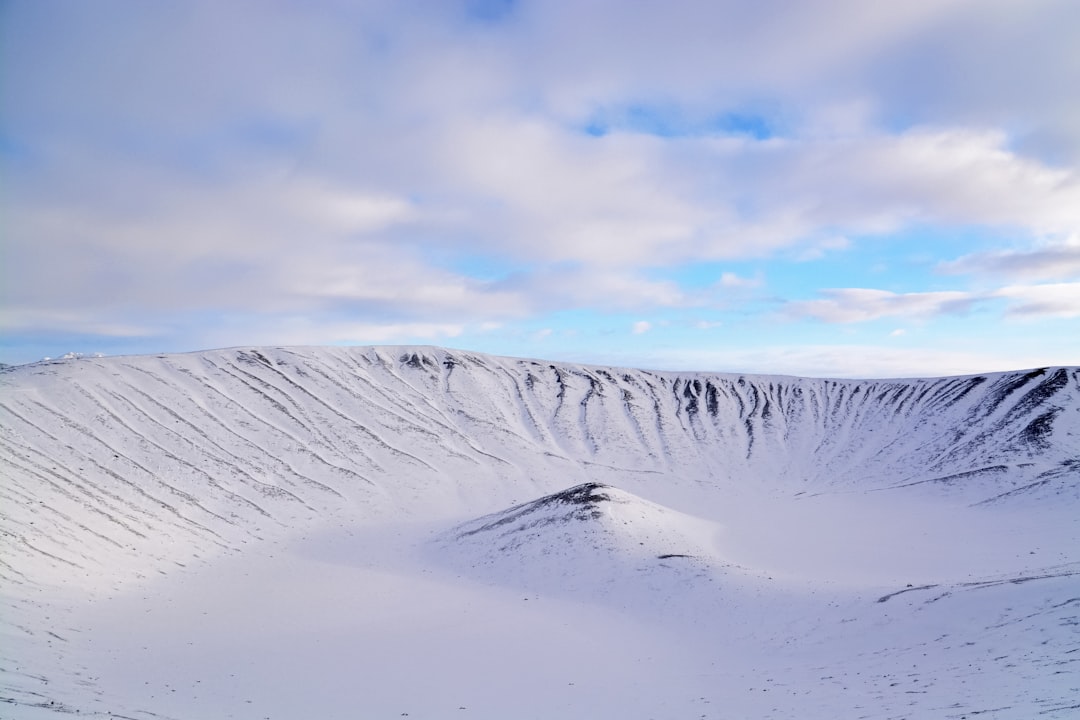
{"x": 823, "y": 187}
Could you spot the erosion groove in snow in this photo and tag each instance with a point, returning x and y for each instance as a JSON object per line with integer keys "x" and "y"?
{"x": 118, "y": 472}
{"x": 216, "y": 446}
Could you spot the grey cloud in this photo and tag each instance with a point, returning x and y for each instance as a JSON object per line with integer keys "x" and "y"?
{"x": 999, "y": 63}
{"x": 1048, "y": 263}
{"x": 699, "y": 53}
{"x": 856, "y": 305}
{"x": 852, "y": 305}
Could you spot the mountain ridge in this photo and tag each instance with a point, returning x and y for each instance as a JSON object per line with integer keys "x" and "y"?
{"x": 215, "y": 449}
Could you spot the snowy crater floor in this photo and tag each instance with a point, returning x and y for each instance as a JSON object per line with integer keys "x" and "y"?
{"x": 426, "y": 533}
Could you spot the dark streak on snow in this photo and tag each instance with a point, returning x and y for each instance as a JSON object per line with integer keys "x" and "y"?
{"x": 583, "y": 500}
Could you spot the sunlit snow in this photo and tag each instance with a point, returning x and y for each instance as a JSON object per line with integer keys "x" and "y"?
{"x": 390, "y": 532}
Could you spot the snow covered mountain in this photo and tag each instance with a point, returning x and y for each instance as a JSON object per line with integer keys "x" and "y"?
{"x": 853, "y": 540}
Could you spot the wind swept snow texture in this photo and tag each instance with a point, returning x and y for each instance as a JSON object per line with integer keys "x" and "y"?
{"x": 370, "y": 532}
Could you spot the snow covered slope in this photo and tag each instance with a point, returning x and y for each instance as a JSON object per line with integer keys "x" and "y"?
{"x": 700, "y": 505}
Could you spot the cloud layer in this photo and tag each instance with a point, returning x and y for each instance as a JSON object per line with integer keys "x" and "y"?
{"x": 380, "y": 171}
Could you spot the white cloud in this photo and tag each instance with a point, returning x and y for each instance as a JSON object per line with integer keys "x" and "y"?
{"x": 641, "y": 326}
{"x": 299, "y": 330}
{"x": 563, "y": 196}
{"x": 344, "y": 211}
{"x": 854, "y": 305}
{"x": 23, "y": 319}
{"x": 631, "y": 200}
{"x": 851, "y": 305}
{"x": 1049, "y": 262}
{"x": 439, "y": 124}
{"x": 879, "y": 183}
{"x": 819, "y": 249}
{"x": 1060, "y": 300}
{"x": 608, "y": 53}
{"x": 731, "y": 280}
{"x": 562, "y": 287}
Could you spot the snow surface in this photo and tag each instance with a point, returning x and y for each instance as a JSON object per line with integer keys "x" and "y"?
{"x": 375, "y": 532}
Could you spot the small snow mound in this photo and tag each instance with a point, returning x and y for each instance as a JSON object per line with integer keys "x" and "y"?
{"x": 590, "y": 537}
